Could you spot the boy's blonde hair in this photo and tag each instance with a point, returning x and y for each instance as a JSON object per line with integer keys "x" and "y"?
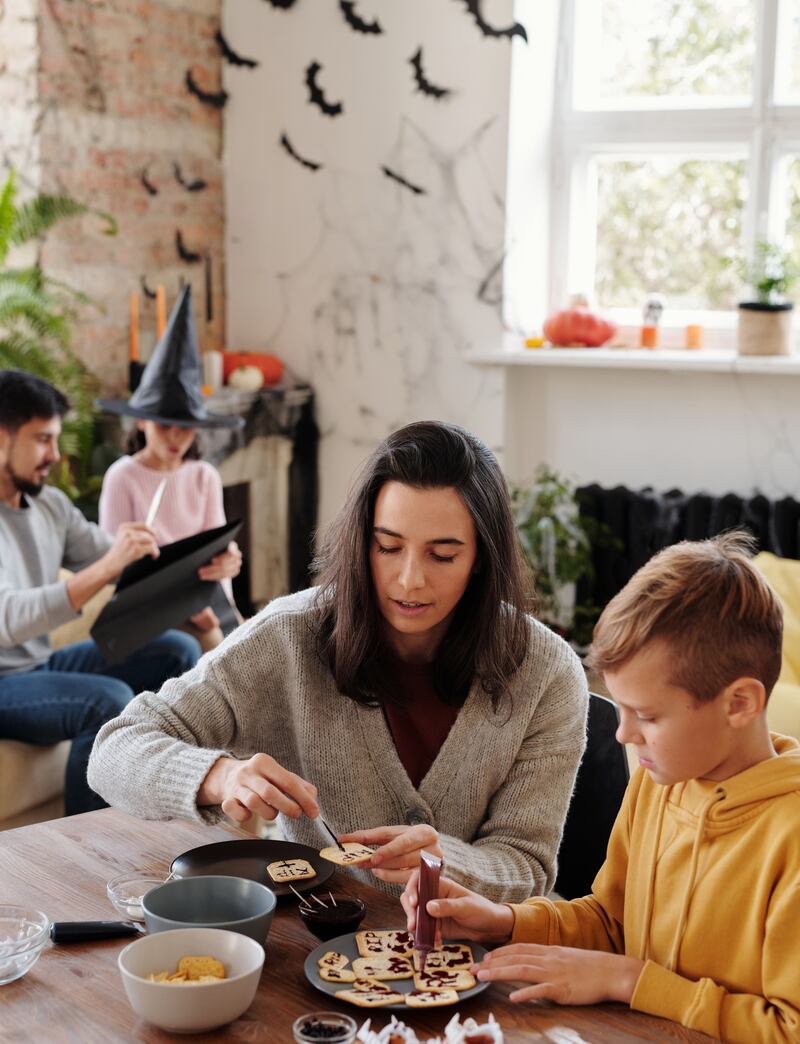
{"x": 707, "y": 600}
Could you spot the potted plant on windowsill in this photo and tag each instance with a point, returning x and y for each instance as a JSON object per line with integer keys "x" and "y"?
{"x": 765, "y": 323}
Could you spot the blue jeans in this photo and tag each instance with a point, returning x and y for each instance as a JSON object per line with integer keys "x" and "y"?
{"x": 75, "y": 692}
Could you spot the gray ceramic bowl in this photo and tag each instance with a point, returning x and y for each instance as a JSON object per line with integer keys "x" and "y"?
{"x": 232, "y": 903}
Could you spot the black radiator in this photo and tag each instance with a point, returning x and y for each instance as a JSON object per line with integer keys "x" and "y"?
{"x": 637, "y": 523}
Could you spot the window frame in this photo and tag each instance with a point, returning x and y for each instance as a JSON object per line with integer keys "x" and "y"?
{"x": 765, "y": 130}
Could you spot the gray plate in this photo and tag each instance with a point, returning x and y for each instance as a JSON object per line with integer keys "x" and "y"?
{"x": 346, "y": 944}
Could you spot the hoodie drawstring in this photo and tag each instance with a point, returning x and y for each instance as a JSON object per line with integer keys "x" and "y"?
{"x": 644, "y": 945}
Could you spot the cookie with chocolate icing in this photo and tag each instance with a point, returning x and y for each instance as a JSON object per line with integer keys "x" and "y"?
{"x": 352, "y": 855}
{"x": 383, "y": 967}
{"x": 291, "y": 870}
{"x": 385, "y": 943}
{"x": 448, "y": 957}
{"x": 444, "y": 980}
{"x": 431, "y": 998}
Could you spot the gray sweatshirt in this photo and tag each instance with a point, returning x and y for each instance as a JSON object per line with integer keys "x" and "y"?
{"x": 36, "y": 540}
{"x": 497, "y": 792}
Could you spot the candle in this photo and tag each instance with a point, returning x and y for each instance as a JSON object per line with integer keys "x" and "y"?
{"x": 209, "y": 295}
{"x": 134, "y": 326}
{"x": 161, "y": 312}
{"x": 694, "y": 336}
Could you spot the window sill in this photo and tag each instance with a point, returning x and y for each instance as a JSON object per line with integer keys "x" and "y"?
{"x": 704, "y": 360}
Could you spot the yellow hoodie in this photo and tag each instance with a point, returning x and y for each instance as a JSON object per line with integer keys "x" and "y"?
{"x": 701, "y": 881}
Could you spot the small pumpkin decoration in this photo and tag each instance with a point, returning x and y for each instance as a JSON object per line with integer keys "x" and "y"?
{"x": 246, "y": 378}
{"x": 578, "y": 326}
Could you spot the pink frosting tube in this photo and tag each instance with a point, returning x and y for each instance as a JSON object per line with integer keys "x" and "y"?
{"x": 430, "y": 868}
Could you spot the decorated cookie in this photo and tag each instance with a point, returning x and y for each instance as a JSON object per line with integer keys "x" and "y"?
{"x": 362, "y": 985}
{"x": 291, "y": 870}
{"x": 385, "y": 943}
{"x": 332, "y": 959}
{"x": 444, "y": 980}
{"x": 352, "y": 855}
{"x": 373, "y": 995}
{"x": 430, "y": 998}
{"x": 450, "y": 957}
{"x": 383, "y": 967}
{"x": 336, "y": 974}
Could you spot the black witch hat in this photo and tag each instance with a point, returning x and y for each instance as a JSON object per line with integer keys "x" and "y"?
{"x": 170, "y": 389}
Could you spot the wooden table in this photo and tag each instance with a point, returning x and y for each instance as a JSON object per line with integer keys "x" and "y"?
{"x": 75, "y": 994}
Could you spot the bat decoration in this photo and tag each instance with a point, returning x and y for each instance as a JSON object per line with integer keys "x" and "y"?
{"x": 216, "y": 99}
{"x": 424, "y": 84}
{"x": 287, "y": 145}
{"x": 355, "y": 22}
{"x": 517, "y": 29}
{"x": 402, "y": 181}
{"x": 230, "y": 55}
{"x": 148, "y": 293}
{"x": 283, "y": 4}
{"x": 316, "y": 95}
{"x": 191, "y": 186}
{"x": 189, "y": 256}
{"x": 148, "y": 184}
{"x": 483, "y": 293}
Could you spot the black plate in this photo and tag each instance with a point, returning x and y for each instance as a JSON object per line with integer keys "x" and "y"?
{"x": 249, "y": 859}
{"x": 346, "y": 944}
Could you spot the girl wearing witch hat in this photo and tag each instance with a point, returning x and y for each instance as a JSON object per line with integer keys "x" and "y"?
{"x": 163, "y": 468}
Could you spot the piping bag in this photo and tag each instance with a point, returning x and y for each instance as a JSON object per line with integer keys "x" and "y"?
{"x": 430, "y": 869}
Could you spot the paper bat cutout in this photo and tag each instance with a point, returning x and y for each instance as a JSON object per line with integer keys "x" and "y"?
{"x": 148, "y": 293}
{"x": 284, "y": 4}
{"x": 191, "y": 186}
{"x": 355, "y": 22}
{"x": 189, "y": 256}
{"x": 402, "y": 181}
{"x": 230, "y": 55}
{"x": 296, "y": 155}
{"x": 216, "y": 99}
{"x": 517, "y": 29}
{"x": 148, "y": 184}
{"x": 316, "y": 96}
{"x": 423, "y": 84}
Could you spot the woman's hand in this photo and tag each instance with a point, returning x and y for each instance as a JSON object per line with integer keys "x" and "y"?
{"x": 223, "y": 566}
{"x": 399, "y": 851}
{"x": 258, "y": 786}
{"x": 205, "y": 620}
{"x": 562, "y": 974}
{"x": 460, "y": 913}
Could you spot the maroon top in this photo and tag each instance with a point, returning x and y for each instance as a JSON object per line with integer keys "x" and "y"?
{"x": 418, "y": 719}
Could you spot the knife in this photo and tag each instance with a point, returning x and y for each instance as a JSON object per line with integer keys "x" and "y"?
{"x": 155, "y": 502}
{"x": 90, "y": 931}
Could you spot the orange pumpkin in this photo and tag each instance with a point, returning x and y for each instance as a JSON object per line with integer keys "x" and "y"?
{"x": 270, "y": 365}
{"x": 578, "y": 326}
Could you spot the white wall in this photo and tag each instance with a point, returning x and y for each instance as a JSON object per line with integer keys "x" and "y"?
{"x": 366, "y": 290}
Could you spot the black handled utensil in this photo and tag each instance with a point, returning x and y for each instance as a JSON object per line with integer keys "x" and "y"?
{"x": 335, "y": 838}
{"x": 91, "y": 931}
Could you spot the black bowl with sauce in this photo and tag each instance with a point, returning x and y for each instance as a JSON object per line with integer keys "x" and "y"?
{"x": 329, "y": 921}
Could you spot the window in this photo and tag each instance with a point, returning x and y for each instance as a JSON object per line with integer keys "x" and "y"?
{"x": 677, "y": 148}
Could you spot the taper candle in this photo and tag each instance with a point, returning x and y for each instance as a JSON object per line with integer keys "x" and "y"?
{"x": 134, "y": 326}
{"x": 161, "y": 312}
{"x": 209, "y": 291}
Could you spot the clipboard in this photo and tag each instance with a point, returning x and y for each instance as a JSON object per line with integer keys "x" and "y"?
{"x": 153, "y": 595}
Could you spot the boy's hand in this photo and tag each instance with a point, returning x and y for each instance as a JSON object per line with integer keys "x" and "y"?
{"x": 460, "y": 913}
{"x": 399, "y": 851}
{"x": 562, "y": 974}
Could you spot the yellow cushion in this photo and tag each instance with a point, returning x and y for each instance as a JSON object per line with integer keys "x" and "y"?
{"x": 784, "y": 576}
{"x": 783, "y": 710}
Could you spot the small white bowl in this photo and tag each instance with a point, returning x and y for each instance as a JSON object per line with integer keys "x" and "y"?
{"x": 199, "y": 1007}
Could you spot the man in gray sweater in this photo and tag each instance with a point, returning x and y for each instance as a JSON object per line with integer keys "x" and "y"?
{"x": 47, "y": 696}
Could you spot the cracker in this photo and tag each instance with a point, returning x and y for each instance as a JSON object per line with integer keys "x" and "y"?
{"x": 353, "y": 854}
{"x": 333, "y": 959}
{"x": 385, "y": 943}
{"x": 371, "y": 999}
{"x": 430, "y": 998}
{"x": 291, "y": 870}
{"x": 449, "y": 957}
{"x": 362, "y": 985}
{"x": 383, "y": 967}
{"x": 336, "y": 974}
{"x": 194, "y": 967}
{"x": 457, "y": 979}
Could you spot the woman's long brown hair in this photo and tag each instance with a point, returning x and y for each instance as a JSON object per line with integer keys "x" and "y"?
{"x": 488, "y": 636}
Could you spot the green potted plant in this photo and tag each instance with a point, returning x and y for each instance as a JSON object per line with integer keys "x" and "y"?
{"x": 765, "y": 323}
{"x": 36, "y": 316}
{"x": 557, "y": 542}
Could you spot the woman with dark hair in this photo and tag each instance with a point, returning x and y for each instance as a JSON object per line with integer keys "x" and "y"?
{"x": 408, "y": 695}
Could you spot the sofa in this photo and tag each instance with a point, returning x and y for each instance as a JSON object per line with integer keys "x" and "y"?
{"x": 783, "y": 710}
{"x": 32, "y": 777}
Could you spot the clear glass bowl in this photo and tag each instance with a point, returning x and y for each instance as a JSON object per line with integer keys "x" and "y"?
{"x": 330, "y": 1021}
{"x": 23, "y": 935}
{"x": 126, "y": 891}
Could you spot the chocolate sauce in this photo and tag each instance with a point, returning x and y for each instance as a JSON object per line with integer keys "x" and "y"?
{"x": 430, "y": 868}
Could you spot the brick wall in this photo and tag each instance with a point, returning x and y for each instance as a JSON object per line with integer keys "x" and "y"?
{"x": 111, "y": 103}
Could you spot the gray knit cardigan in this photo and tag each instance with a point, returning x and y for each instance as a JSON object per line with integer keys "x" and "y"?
{"x": 497, "y": 792}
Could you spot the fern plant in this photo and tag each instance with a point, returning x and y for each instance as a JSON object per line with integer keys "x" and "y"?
{"x": 36, "y": 316}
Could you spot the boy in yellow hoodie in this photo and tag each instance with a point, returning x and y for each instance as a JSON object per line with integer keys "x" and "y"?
{"x": 695, "y": 914}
